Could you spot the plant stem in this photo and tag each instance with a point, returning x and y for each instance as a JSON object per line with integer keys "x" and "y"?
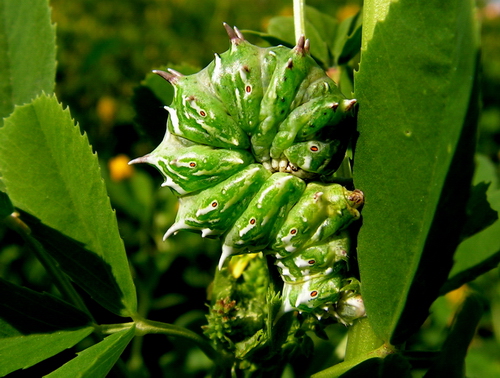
{"x": 361, "y": 339}
{"x": 343, "y": 367}
{"x": 299, "y": 18}
{"x": 145, "y": 326}
{"x": 362, "y": 345}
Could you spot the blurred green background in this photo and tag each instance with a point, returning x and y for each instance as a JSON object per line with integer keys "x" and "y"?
{"x": 105, "y": 49}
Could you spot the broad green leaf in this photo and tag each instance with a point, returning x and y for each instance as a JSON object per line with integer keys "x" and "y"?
{"x": 34, "y": 327}
{"x": 96, "y": 361}
{"x": 21, "y": 352}
{"x": 89, "y": 270}
{"x": 413, "y": 159}
{"x": 24, "y": 311}
{"x": 27, "y": 52}
{"x": 50, "y": 171}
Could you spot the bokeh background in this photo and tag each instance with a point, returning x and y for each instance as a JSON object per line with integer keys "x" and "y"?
{"x": 105, "y": 50}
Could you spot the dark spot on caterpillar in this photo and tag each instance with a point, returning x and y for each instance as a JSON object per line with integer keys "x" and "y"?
{"x": 252, "y": 221}
{"x": 202, "y": 113}
{"x": 248, "y": 89}
{"x": 289, "y": 64}
{"x": 191, "y": 98}
{"x": 314, "y": 148}
{"x": 283, "y": 100}
{"x": 293, "y": 231}
{"x": 246, "y": 68}
{"x": 192, "y": 164}
{"x": 214, "y": 204}
{"x": 282, "y": 111}
{"x": 311, "y": 262}
{"x": 313, "y": 294}
{"x": 335, "y": 106}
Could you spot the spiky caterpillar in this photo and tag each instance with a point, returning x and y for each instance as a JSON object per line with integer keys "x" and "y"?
{"x": 246, "y": 138}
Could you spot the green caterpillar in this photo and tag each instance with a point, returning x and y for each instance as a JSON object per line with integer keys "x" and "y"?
{"x": 248, "y": 140}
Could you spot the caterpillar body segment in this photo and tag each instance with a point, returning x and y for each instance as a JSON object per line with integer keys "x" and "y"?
{"x": 322, "y": 211}
{"x": 263, "y": 216}
{"x": 214, "y": 210}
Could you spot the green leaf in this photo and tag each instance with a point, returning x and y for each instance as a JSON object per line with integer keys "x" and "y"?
{"x": 480, "y": 215}
{"x": 485, "y": 245}
{"x": 21, "y": 352}
{"x": 24, "y": 311}
{"x": 89, "y": 270}
{"x": 451, "y": 360}
{"x": 348, "y": 41}
{"x": 27, "y": 52}
{"x": 393, "y": 365}
{"x": 271, "y": 39}
{"x": 50, "y": 171}
{"x": 413, "y": 159}
{"x": 96, "y": 361}
{"x": 34, "y": 327}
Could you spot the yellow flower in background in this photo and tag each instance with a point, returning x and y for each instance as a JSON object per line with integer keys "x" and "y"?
{"x": 119, "y": 169}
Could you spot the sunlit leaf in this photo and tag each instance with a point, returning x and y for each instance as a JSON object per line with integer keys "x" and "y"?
{"x": 413, "y": 159}
{"x": 50, "y": 171}
{"x": 96, "y": 361}
{"x": 27, "y": 52}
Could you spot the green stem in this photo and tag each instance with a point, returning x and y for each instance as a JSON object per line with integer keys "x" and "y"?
{"x": 60, "y": 279}
{"x": 361, "y": 339}
{"x": 362, "y": 345}
{"x": 299, "y": 18}
{"x": 144, "y": 327}
{"x": 343, "y": 367}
